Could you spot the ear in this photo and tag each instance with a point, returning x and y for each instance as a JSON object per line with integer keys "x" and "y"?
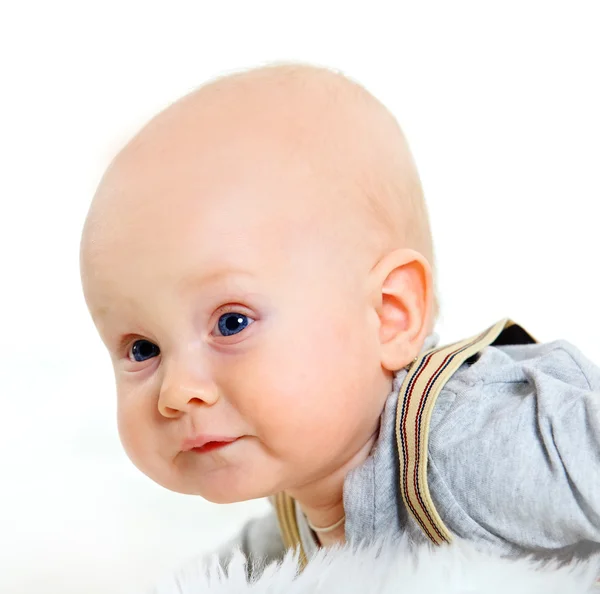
{"x": 403, "y": 298}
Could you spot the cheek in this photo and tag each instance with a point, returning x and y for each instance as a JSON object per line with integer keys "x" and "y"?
{"x": 134, "y": 422}
{"x": 127, "y": 430}
{"x": 311, "y": 372}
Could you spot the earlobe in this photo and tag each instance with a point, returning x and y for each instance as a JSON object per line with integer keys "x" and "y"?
{"x": 404, "y": 299}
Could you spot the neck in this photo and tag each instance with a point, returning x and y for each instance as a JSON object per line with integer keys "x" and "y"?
{"x": 322, "y": 500}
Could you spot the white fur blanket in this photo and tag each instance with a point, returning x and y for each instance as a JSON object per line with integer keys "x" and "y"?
{"x": 391, "y": 569}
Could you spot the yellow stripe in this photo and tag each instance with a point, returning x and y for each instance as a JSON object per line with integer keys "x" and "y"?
{"x": 414, "y": 439}
{"x": 288, "y": 525}
{"x": 281, "y": 520}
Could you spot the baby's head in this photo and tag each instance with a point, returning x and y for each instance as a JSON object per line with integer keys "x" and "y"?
{"x": 257, "y": 261}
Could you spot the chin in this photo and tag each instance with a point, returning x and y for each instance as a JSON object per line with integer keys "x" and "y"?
{"x": 209, "y": 490}
{"x": 229, "y": 494}
{"x": 220, "y": 497}
{"x": 226, "y": 488}
{"x": 231, "y": 483}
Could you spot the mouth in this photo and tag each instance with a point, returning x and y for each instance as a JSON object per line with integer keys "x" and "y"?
{"x": 204, "y": 444}
{"x": 211, "y": 446}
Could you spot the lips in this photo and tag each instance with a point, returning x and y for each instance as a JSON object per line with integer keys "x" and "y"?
{"x": 210, "y": 446}
{"x": 206, "y": 443}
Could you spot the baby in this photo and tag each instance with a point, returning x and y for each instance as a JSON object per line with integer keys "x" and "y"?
{"x": 259, "y": 263}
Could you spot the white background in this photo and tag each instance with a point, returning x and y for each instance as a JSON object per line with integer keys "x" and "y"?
{"x": 500, "y": 102}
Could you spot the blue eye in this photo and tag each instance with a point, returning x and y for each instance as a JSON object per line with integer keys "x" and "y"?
{"x": 233, "y": 323}
{"x": 143, "y": 350}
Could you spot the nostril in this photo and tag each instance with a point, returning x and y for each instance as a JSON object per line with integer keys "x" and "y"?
{"x": 167, "y": 411}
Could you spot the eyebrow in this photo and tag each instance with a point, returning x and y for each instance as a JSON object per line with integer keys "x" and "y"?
{"x": 193, "y": 283}
{"x": 213, "y": 277}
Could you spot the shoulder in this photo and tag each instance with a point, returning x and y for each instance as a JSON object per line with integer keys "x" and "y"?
{"x": 553, "y": 376}
{"x": 515, "y": 440}
{"x": 559, "y": 359}
{"x": 510, "y": 389}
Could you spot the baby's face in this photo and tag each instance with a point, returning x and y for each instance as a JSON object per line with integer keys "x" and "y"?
{"x": 235, "y": 303}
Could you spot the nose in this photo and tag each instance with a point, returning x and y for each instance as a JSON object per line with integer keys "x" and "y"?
{"x": 183, "y": 389}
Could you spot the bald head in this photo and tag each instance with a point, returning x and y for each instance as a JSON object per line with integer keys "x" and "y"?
{"x": 288, "y": 124}
{"x": 258, "y": 252}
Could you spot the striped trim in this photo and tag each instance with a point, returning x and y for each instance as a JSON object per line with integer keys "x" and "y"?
{"x": 288, "y": 525}
{"x": 421, "y": 387}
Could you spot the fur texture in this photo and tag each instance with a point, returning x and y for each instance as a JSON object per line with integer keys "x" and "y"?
{"x": 390, "y": 569}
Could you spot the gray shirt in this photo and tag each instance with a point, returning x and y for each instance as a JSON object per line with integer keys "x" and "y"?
{"x": 514, "y": 461}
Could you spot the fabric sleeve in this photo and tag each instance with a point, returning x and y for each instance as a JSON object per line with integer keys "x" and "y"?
{"x": 518, "y": 461}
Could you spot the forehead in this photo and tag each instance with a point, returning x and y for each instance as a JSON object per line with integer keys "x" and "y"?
{"x": 184, "y": 221}
{"x": 216, "y": 209}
